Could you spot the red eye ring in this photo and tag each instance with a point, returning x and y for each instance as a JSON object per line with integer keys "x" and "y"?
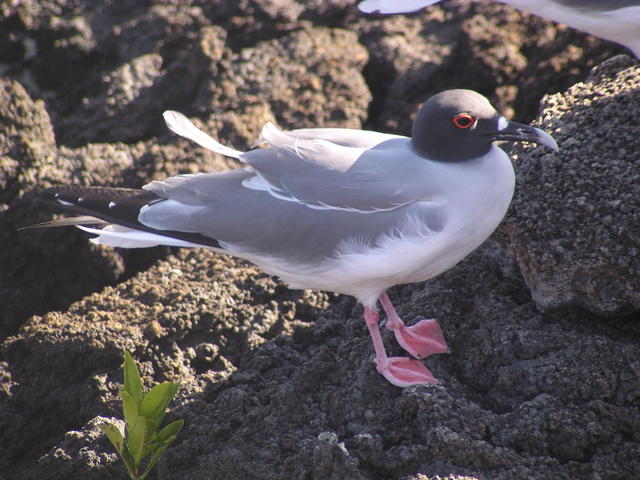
{"x": 464, "y": 120}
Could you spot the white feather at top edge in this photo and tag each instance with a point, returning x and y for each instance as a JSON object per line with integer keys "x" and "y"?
{"x": 181, "y": 125}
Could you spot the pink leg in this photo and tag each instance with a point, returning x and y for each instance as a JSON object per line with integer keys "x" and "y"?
{"x": 420, "y": 340}
{"x": 400, "y": 371}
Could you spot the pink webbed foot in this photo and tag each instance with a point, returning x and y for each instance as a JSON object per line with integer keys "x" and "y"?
{"x": 420, "y": 340}
{"x": 404, "y": 372}
{"x": 400, "y": 371}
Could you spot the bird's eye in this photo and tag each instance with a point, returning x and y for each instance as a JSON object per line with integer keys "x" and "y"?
{"x": 464, "y": 120}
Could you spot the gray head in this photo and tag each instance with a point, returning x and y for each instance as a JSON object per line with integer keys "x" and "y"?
{"x": 458, "y": 125}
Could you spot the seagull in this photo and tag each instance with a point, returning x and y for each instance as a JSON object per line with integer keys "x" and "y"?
{"x": 348, "y": 211}
{"x": 614, "y": 20}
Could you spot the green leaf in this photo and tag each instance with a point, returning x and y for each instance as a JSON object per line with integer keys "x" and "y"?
{"x": 127, "y": 459}
{"x": 129, "y": 407}
{"x": 136, "y": 439}
{"x": 128, "y": 464}
{"x": 143, "y": 415}
{"x": 169, "y": 433}
{"x": 156, "y": 400}
{"x": 113, "y": 433}
{"x": 132, "y": 382}
{"x": 153, "y": 460}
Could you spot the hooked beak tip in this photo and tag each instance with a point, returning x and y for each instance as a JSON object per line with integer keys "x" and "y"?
{"x": 524, "y": 133}
{"x": 543, "y": 138}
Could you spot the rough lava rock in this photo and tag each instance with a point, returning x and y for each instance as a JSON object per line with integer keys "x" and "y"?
{"x": 280, "y": 384}
{"x": 575, "y": 220}
{"x": 191, "y": 318}
{"x": 35, "y": 272}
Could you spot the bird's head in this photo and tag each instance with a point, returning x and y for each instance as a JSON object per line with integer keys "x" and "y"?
{"x": 459, "y": 125}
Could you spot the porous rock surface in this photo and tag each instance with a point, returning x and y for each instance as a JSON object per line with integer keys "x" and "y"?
{"x": 280, "y": 384}
{"x": 575, "y": 220}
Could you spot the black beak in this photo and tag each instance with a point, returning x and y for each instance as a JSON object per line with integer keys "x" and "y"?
{"x": 524, "y": 133}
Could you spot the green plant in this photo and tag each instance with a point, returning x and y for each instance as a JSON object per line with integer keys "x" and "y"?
{"x": 142, "y": 415}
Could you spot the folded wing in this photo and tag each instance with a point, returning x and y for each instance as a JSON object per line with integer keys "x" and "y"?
{"x": 338, "y": 169}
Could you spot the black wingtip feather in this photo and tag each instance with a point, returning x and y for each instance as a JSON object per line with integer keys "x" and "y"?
{"x": 120, "y": 206}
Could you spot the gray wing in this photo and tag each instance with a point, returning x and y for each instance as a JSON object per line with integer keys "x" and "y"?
{"x": 253, "y": 221}
{"x": 323, "y": 174}
{"x": 394, "y": 6}
{"x": 302, "y": 197}
{"x": 325, "y": 168}
{"x": 597, "y": 5}
{"x": 406, "y": 6}
{"x": 345, "y": 136}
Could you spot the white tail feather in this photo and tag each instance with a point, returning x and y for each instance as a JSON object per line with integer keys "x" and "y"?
{"x": 181, "y": 125}
{"x": 123, "y": 237}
